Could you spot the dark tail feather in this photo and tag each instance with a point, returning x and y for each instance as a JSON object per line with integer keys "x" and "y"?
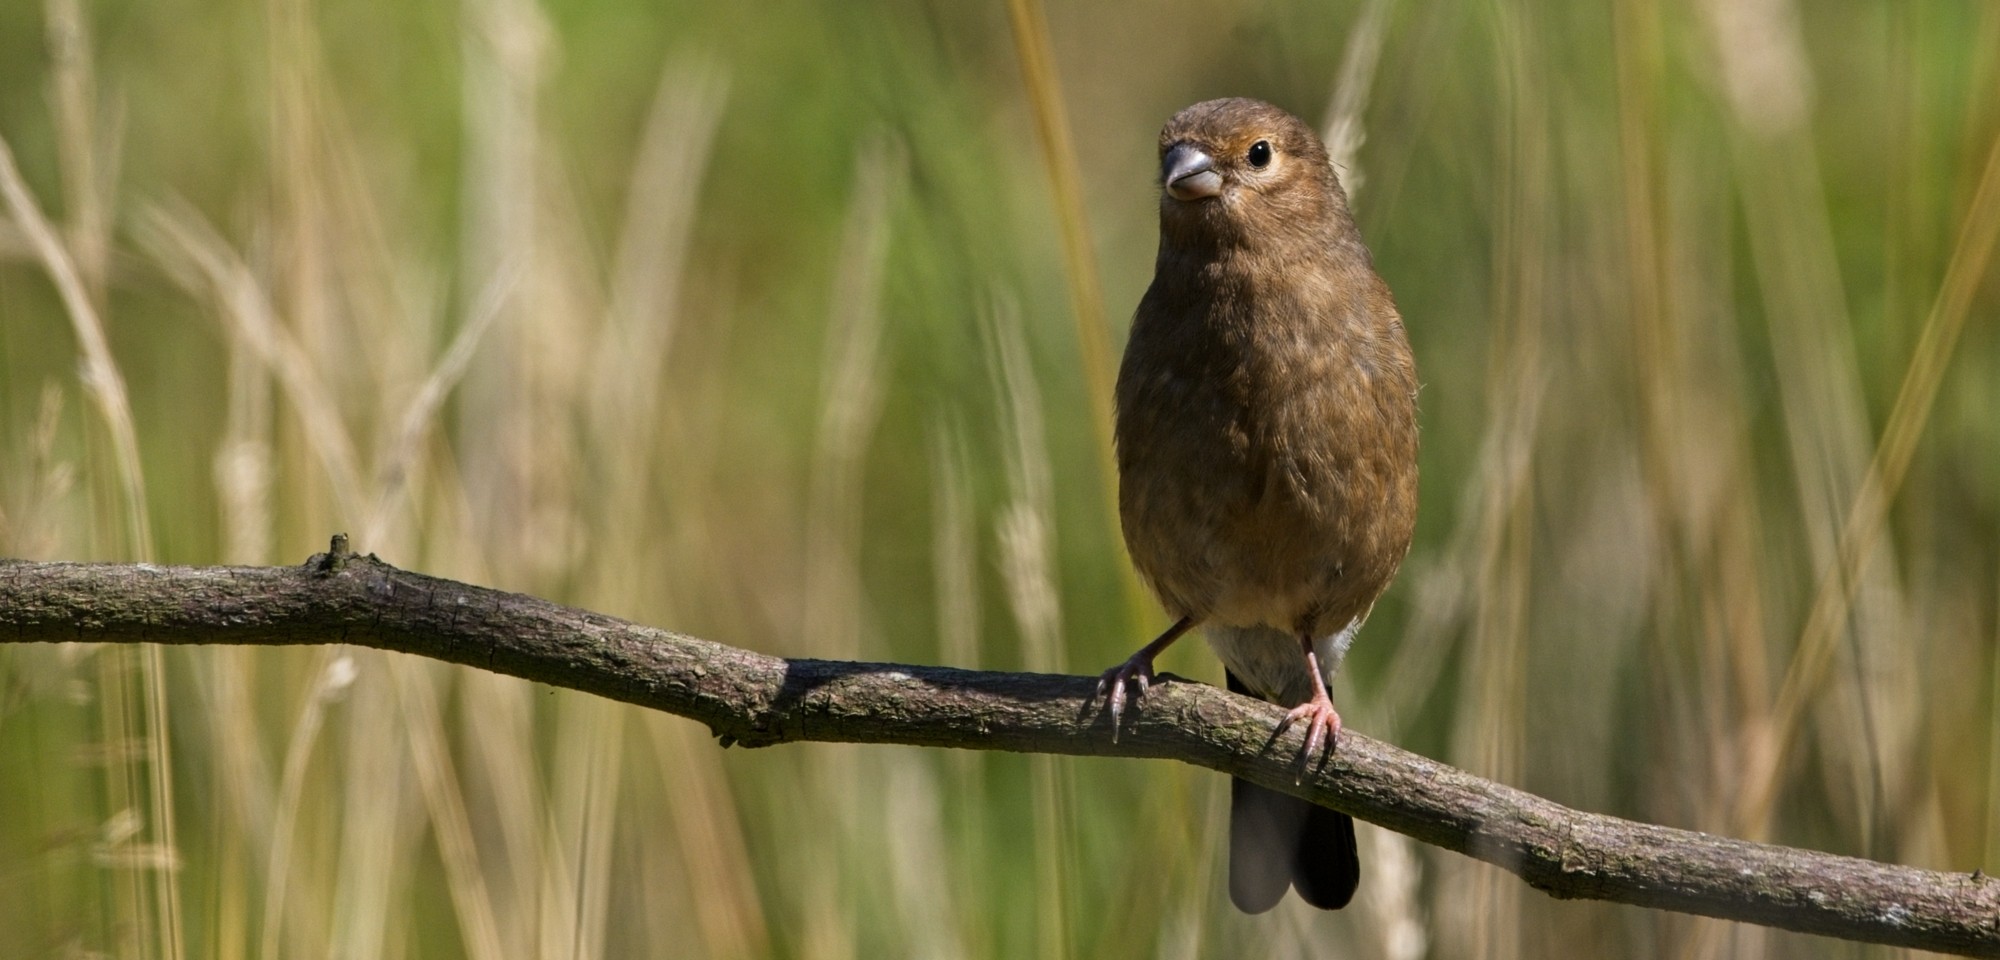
{"x": 1277, "y": 840}
{"x": 1263, "y": 827}
{"x": 1328, "y": 867}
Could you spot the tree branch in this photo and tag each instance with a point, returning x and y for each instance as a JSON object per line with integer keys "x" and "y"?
{"x": 755, "y": 700}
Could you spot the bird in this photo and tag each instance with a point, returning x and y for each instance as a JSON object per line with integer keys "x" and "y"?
{"x": 1266, "y": 438}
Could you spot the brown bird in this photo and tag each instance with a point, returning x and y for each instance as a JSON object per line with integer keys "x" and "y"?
{"x": 1267, "y": 452}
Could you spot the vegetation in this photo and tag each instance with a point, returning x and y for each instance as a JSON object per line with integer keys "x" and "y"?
{"x": 760, "y": 323}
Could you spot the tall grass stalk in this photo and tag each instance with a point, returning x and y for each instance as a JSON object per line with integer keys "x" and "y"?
{"x": 1865, "y": 519}
{"x": 733, "y": 324}
{"x": 1036, "y": 55}
{"x": 1026, "y": 537}
{"x": 156, "y": 926}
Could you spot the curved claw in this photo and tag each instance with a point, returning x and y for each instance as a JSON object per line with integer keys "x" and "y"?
{"x": 1322, "y": 727}
{"x": 1138, "y": 671}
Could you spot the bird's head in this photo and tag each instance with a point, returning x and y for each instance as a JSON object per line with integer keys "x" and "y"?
{"x": 1241, "y": 172}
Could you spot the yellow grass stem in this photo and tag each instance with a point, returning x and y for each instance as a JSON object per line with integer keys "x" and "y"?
{"x": 1869, "y": 514}
{"x": 1086, "y": 294}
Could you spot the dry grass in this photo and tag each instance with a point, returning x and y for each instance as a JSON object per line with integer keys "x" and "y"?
{"x": 795, "y": 336}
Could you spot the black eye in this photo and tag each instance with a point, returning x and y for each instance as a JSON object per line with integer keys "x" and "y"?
{"x": 1260, "y": 154}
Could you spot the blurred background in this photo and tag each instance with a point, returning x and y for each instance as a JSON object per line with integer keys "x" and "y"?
{"x": 790, "y": 325}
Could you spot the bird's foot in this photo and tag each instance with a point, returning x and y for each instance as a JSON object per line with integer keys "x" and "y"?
{"x": 1322, "y": 726}
{"x": 1137, "y": 672}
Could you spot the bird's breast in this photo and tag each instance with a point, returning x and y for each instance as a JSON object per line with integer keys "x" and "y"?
{"x": 1260, "y": 460}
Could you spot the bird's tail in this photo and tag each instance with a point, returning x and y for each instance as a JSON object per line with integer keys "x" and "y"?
{"x": 1277, "y": 840}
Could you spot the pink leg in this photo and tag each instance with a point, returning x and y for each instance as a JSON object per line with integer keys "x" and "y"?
{"x": 1322, "y": 721}
{"x": 1137, "y": 670}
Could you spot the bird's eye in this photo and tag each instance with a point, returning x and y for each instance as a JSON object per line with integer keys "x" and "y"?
{"x": 1260, "y": 154}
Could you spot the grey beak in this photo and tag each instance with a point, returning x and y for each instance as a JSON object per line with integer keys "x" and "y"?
{"x": 1189, "y": 173}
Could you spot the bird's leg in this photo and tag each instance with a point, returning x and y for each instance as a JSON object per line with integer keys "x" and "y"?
{"x": 1137, "y": 669}
{"x": 1322, "y": 721}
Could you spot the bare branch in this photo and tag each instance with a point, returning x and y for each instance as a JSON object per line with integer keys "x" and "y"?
{"x": 754, "y": 700}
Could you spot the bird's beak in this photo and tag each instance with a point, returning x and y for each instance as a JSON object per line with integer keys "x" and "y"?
{"x": 1189, "y": 173}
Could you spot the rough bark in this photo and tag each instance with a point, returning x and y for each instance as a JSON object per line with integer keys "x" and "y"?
{"x": 755, "y": 700}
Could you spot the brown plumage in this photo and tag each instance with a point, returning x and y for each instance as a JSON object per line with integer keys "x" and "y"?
{"x": 1267, "y": 450}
